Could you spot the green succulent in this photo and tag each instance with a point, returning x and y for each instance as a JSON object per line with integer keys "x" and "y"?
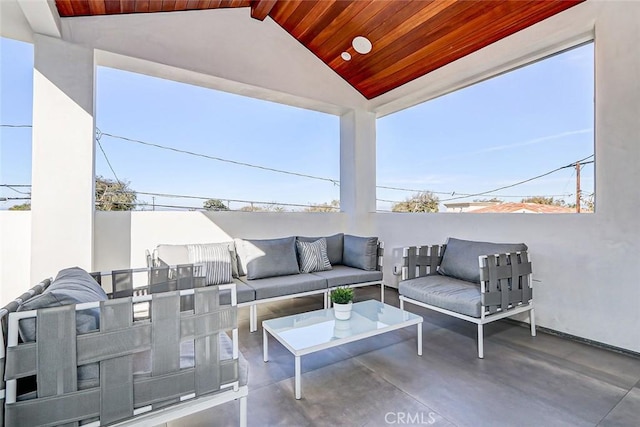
{"x": 342, "y": 295}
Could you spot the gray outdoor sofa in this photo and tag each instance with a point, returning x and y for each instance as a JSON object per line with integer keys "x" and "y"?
{"x": 479, "y": 282}
{"x": 150, "y": 347}
{"x": 266, "y": 270}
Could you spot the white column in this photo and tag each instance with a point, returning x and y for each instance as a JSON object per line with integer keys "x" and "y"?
{"x": 62, "y": 157}
{"x": 358, "y": 162}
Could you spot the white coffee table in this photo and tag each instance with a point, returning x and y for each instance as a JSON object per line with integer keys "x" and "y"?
{"x": 319, "y": 330}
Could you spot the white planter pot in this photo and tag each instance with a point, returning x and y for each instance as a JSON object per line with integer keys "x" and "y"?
{"x": 342, "y": 311}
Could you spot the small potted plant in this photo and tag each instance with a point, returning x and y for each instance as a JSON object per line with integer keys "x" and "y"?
{"x": 342, "y": 299}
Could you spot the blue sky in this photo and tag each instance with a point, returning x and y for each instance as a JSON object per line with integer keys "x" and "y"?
{"x": 495, "y": 133}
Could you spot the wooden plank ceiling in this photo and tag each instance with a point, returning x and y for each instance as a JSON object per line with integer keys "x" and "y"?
{"x": 409, "y": 38}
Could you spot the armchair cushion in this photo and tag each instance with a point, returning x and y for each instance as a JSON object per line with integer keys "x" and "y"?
{"x": 460, "y": 258}
{"x": 444, "y": 292}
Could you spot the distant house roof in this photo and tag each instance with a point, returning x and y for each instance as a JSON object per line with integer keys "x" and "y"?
{"x": 524, "y": 208}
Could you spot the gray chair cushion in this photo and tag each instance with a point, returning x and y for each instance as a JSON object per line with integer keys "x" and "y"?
{"x": 286, "y": 285}
{"x": 268, "y": 258}
{"x": 335, "y": 246}
{"x": 71, "y": 286}
{"x": 179, "y": 254}
{"x": 360, "y": 252}
{"x": 460, "y": 258}
{"x": 344, "y": 275}
{"x": 444, "y": 292}
{"x": 244, "y": 293}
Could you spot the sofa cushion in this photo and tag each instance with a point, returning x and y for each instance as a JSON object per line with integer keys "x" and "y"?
{"x": 71, "y": 286}
{"x": 360, "y": 252}
{"x": 268, "y": 258}
{"x": 335, "y": 246}
{"x": 341, "y": 275}
{"x": 460, "y": 258}
{"x": 445, "y": 292}
{"x": 286, "y": 285}
{"x": 217, "y": 262}
{"x": 312, "y": 256}
{"x": 244, "y": 293}
{"x": 179, "y": 254}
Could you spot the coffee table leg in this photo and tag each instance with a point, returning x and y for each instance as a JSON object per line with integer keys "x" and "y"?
{"x": 265, "y": 346}
{"x": 298, "y": 385}
{"x": 419, "y": 339}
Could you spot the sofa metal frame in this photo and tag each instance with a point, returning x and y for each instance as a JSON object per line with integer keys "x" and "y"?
{"x": 505, "y": 285}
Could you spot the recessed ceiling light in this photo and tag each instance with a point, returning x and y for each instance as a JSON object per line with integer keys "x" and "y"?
{"x": 346, "y": 56}
{"x": 362, "y": 45}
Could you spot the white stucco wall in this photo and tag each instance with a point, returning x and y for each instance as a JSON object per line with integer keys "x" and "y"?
{"x": 15, "y": 254}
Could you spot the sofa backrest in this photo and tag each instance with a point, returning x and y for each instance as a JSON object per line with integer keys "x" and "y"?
{"x": 460, "y": 258}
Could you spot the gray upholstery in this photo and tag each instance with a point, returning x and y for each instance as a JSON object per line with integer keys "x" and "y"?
{"x": 179, "y": 254}
{"x": 335, "y": 245}
{"x": 71, "y": 286}
{"x": 360, "y": 252}
{"x": 285, "y": 285}
{"x": 244, "y": 293}
{"x": 343, "y": 275}
{"x": 260, "y": 259}
{"x": 460, "y": 259}
{"x": 444, "y": 292}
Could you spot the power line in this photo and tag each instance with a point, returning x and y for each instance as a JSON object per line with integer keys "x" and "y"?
{"x": 520, "y": 182}
{"x": 108, "y": 162}
{"x": 11, "y": 187}
{"x": 220, "y": 159}
{"x": 333, "y": 181}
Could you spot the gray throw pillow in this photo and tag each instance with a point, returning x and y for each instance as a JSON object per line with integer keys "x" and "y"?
{"x": 217, "y": 262}
{"x": 179, "y": 254}
{"x": 312, "y": 256}
{"x": 335, "y": 246}
{"x": 460, "y": 258}
{"x": 268, "y": 258}
{"x": 360, "y": 252}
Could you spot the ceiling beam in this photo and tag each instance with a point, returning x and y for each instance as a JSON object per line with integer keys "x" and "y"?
{"x": 42, "y": 16}
{"x": 260, "y": 8}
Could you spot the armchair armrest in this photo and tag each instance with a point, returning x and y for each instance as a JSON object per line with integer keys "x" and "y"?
{"x": 505, "y": 281}
{"x": 419, "y": 261}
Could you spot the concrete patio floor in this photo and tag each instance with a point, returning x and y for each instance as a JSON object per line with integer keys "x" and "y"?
{"x": 381, "y": 381}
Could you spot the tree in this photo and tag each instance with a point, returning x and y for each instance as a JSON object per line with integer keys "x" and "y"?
{"x": 333, "y": 206}
{"x": 215, "y": 205}
{"x": 23, "y": 207}
{"x": 419, "y": 202}
{"x": 114, "y": 195}
{"x": 542, "y": 200}
{"x": 273, "y": 207}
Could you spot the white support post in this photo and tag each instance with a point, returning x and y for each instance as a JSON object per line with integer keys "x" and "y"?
{"x": 63, "y": 157}
{"x": 358, "y": 163}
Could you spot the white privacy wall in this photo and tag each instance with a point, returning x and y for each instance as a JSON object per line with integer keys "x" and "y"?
{"x": 15, "y": 254}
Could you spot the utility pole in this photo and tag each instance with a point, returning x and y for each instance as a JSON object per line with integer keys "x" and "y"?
{"x": 578, "y": 187}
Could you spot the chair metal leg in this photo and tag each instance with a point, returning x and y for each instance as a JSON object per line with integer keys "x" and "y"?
{"x": 382, "y": 293}
{"x": 532, "y": 321}
{"x": 480, "y": 342}
{"x": 243, "y": 411}
{"x": 401, "y": 304}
